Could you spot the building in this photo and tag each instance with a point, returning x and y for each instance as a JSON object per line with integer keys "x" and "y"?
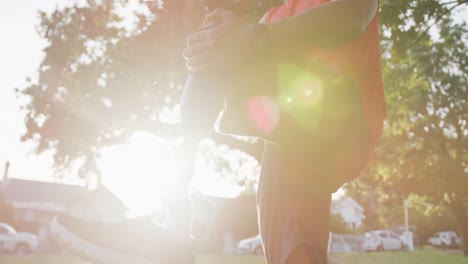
{"x": 35, "y": 203}
{"x": 350, "y": 211}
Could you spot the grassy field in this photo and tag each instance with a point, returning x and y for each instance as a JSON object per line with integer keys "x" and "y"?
{"x": 419, "y": 257}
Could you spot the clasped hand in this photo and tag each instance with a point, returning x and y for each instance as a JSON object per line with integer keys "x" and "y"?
{"x": 222, "y": 43}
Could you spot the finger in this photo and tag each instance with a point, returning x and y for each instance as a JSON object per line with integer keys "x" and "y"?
{"x": 206, "y": 36}
{"x": 207, "y": 24}
{"x": 200, "y": 36}
{"x": 217, "y": 13}
{"x": 200, "y": 59}
{"x": 220, "y": 16}
{"x": 210, "y": 67}
{"x": 197, "y": 48}
{"x": 186, "y": 53}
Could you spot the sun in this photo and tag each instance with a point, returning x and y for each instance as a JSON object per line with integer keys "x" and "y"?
{"x": 145, "y": 169}
{"x": 139, "y": 172}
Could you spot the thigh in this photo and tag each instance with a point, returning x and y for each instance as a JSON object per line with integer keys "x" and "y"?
{"x": 332, "y": 151}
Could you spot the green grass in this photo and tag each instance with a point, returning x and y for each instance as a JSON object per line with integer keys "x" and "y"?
{"x": 418, "y": 257}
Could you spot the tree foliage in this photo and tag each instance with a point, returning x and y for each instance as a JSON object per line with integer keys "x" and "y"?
{"x": 103, "y": 78}
{"x": 424, "y": 149}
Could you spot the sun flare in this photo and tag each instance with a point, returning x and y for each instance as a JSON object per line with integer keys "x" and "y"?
{"x": 145, "y": 169}
{"x": 139, "y": 172}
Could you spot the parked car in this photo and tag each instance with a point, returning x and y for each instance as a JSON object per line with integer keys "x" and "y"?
{"x": 251, "y": 245}
{"x": 445, "y": 239}
{"x": 458, "y": 242}
{"x": 380, "y": 240}
{"x": 338, "y": 243}
{"x": 19, "y": 243}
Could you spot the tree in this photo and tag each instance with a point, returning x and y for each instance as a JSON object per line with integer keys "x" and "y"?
{"x": 424, "y": 147}
{"x": 96, "y": 84}
{"x": 100, "y": 81}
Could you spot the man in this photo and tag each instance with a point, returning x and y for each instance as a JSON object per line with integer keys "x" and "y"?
{"x": 307, "y": 80}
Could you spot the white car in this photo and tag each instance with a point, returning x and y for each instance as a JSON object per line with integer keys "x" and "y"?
{"x": 444, "y": 239}
{"x": 19, "y": 243}
{"x": 251, "y": 245}
{"x": 380, "y": 240}
{"x": 458, "y": 241}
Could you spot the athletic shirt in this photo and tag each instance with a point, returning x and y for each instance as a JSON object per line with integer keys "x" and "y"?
{"x": 358, "y": 59}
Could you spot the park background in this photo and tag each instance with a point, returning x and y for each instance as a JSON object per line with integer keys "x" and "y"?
{"x": 87, "y": 85}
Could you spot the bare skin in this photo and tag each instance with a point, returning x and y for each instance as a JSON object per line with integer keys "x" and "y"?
{"x": 299, "y": 256}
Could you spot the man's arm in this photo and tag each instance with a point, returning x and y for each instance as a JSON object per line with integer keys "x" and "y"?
{"x": 328, "y": 26}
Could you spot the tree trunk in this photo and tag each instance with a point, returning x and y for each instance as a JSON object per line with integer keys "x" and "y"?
{"x": 462, "y": 221}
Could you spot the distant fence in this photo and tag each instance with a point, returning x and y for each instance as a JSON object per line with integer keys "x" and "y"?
{"x": 341, "y": 243}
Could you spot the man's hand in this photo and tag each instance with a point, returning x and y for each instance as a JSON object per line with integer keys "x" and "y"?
{"x": 224, "y": 43}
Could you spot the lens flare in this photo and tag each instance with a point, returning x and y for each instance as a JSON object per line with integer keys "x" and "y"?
{"x": 309, "y": 91}
{"x": 300, "y": 95}
{"x": 264, "y": 113}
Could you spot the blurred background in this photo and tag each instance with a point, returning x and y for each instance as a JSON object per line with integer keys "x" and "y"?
{"x": 89, "y": 96}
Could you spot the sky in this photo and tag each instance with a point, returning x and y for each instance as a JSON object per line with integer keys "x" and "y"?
{"x": 20, "y": 55}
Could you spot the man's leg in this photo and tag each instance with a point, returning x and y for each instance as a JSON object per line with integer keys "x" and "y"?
{"x": 201, "y": 104}
{"x": 299, "y": 256}
{"x": 298, "y": 177}
{"x": 294, "y": 222}
{"x": 177, "y": 201}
